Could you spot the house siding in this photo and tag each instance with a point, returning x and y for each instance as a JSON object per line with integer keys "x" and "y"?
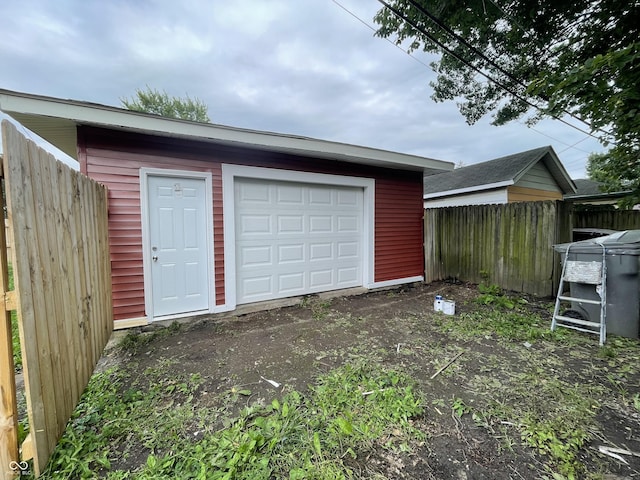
{"x": 521, "y": 194}
{"x": 539, "y": 178}
{"x": 114, "y": 158}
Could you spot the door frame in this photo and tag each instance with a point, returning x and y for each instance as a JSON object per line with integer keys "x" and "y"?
{"x": 145, "y": 173}
{"x": 229, "y": 174}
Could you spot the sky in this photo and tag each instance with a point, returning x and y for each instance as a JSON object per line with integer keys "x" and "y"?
{"x": 300, "y": 67}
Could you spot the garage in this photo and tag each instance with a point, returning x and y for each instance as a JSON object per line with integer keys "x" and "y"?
{"x": 296, "y": 238}
{"x": 278, "y": 215}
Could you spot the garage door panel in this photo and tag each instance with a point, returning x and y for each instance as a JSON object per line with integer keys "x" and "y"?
{"x": 290, "y": 253}
{"x": 291, "y": 283}
{"x": 288, "y": 224}
{"x": 320, "y": 224}
{"x": 290, "y": 194}
{"x": 320, "y": 279}
{"x": 320, "y": 251}
{"x": 255, "y": 224}
{"x": 257, "y": 287}
{"x": 320, "y": 196}
{"x": 348, "y": 250}
{"x": 313, "y": 241}
{"x": 347, "y": 275}
{"x": 348, "y": 198}
{"x": 254, "y": 193}
{"x": 255, "y": 256}
{"x": 349, "y": 223}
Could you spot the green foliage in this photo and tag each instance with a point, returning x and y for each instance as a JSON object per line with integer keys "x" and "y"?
{"x": 459, "y": 407}
{"x": 15, "y": 332}
{"x": 493, "y": 295}
{"x": 511, "y": 324}
{"x": 134, "y": 340}
{"x": 160, "y": 103}
{"x": 550, "y": 415}
{"x": 581, "y": 58}
{"x": 350, "y": 410}
{"x": 616, "y": 174}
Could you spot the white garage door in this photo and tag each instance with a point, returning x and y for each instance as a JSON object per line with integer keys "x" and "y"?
{"x": 294, "y": 238}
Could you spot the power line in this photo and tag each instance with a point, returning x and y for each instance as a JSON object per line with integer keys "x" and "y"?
{"x": 588, "y": 135}
{"x": 373, "y": 29}
{"x": 515, "y": 94}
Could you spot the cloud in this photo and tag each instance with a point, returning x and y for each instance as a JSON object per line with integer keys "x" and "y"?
{"x": 307, "y": 68}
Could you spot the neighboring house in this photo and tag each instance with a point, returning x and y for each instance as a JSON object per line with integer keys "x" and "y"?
{"x": 204, "y": 218}
{"x": 588, "y": 192}
{"x": 523, "y": 177}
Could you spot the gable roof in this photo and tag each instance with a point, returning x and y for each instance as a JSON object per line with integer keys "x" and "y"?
{"x": 56, "y": 120}
{"x": 497, "y": 173}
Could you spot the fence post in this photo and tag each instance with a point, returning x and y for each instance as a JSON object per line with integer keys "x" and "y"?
{"x": 9, "y": 459}
{"x": 563, "y": 234}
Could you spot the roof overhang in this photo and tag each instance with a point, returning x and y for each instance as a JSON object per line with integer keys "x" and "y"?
{"x": 472, "y": 189}
{"x": 56, "y": 120}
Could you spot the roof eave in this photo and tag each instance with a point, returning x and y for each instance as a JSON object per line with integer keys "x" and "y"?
{"x": 25, "y": 107}
{"x": 473, "y": 189}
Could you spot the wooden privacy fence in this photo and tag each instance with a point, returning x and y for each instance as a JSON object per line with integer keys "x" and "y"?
{"x": 507, "y": 245}
{"x": 58, "y": 229}
{"x": 611, "y": 219}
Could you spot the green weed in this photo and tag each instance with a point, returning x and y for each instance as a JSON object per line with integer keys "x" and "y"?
{"x": 15, "y": 333}
{"x": 135, "y": 340}
{"x": 459, "y": 407}
{"x": 550, "y": 415}
{"x": 493, "y": 295}
{"x": 350, "y": 411}
{"x": 512, "y": 325}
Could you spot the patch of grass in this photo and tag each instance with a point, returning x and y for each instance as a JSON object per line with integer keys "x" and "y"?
{"x": 350, "y": 411}
{"x": 135, "y": 340}
{"x": 548, "y": 414}
{"x": 493, "y": 295}
{"x": 512, "y": 325}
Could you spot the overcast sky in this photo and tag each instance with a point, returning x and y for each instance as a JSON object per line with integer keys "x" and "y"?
{"x": 305, "y": 67}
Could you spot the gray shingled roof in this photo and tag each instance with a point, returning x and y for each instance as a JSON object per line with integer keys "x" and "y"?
{"x": 497, "y": 171}
{"x": 585, "y": 186}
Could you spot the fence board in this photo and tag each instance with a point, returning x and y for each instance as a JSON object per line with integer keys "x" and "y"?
{"x": 8, "y": 400}
{"x": 509, "y": 244}
{"x": 58, "y": 226}
{"x": 611, "y": 219}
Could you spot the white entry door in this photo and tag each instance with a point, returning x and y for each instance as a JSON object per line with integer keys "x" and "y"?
{"x": 295, "y": 238}
{"x": 178, "y": 244}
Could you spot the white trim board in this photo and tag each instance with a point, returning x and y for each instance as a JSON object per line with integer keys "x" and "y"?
{"x": 231, "y": 172}
{"x": 56, "y": 119}
{"x": 146, "y": 254}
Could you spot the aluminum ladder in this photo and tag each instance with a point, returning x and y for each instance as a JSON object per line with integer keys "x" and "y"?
{"x": 591, "y": 273}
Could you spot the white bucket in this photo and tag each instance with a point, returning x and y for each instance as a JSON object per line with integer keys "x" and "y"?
{"x": 448, "y": 307}
{"x": 438, "y": 305}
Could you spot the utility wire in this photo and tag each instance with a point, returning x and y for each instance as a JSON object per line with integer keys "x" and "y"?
{"x": 431, "y": 68}
{"x": 508, "y": 89}
{"x": 373, "y": 29}
{"x": 478, "y": 53}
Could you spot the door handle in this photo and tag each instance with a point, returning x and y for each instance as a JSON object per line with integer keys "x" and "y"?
{"x": 155, "y": 258}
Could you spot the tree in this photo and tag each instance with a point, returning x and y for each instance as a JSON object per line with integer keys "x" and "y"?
{"x": 160, "y": 103}
{"x": 557, "y": 58}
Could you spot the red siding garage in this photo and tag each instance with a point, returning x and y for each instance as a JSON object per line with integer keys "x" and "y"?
{"x": 115, "y": 158}
{"x": 205, "y": 217}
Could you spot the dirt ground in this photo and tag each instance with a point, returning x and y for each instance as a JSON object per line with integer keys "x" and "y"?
{"x": 399, "y": 328}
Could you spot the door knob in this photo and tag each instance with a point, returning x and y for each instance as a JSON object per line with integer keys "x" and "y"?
{"x": 155, "y": 258}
